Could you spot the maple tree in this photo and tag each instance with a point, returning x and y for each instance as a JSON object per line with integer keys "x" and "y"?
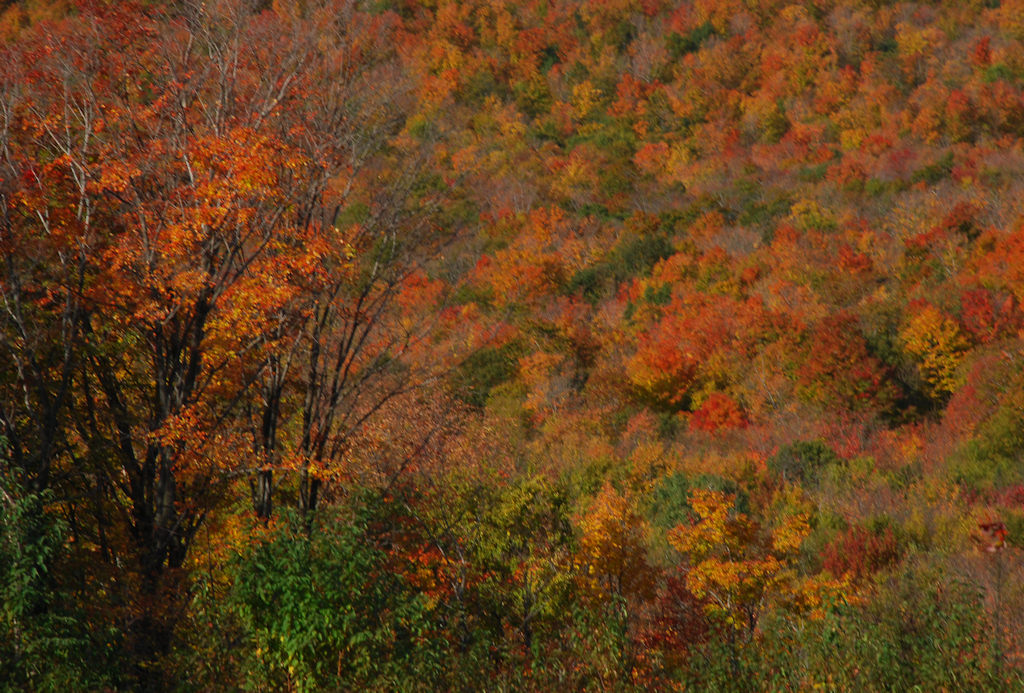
{"x": 737, "y": 566}
{"x": 842, "y": 370}
{"x": 189, "y": 204}
{"x": 612, "y": 560}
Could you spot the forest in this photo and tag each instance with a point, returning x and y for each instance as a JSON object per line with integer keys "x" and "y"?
{"x": 460, "y": 345}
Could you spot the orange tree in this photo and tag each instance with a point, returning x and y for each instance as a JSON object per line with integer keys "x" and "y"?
{"x": 172, "y": 182}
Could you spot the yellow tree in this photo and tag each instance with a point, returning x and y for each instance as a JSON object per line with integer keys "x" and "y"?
{"x": 741, "y": 568}
{"x": 613, "y": 553}
{"x": 939, "y": 346}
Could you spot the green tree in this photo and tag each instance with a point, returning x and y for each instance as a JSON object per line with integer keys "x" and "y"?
{"x": 46, "y": 644}
{"x": 321, "y": 608}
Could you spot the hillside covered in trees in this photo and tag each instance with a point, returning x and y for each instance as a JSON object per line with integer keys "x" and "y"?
{"x": 496, "y": 345}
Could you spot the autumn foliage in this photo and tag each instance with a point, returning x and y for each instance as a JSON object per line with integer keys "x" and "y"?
{"x": 580, "y": 345}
